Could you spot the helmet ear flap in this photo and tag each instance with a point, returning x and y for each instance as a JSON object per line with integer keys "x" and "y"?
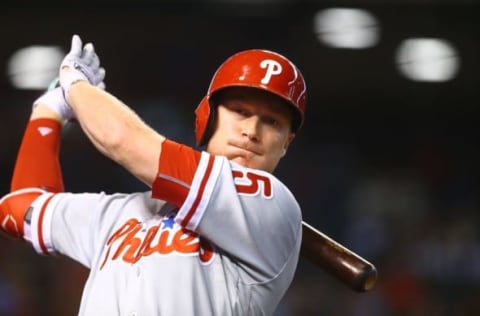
{"x": 212, "y": 120}
{"x": 204, "y": 121}
{"x": 202, "y": 112}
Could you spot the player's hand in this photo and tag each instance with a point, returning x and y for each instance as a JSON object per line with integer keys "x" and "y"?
{"x": 81, "y": 64}
{"x": 54, "y": 100}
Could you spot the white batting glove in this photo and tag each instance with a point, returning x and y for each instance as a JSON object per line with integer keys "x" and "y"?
{"x": 80, "y": 64}
{"x": 54, "y": 100}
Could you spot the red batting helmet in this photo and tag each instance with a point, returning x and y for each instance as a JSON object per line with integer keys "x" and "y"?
{"x": 255, "y": 68}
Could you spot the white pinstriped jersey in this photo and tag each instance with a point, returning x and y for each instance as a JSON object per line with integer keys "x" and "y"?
{"x": 146, "y": 257}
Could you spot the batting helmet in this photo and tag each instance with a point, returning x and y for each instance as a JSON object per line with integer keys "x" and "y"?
{"x": 255, "y": 68}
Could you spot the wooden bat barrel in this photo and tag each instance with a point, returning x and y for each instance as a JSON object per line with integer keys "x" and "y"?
{"x": 339, "y": 261}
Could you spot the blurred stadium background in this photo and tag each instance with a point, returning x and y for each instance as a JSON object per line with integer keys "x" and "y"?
{"x": 386, "y": 164}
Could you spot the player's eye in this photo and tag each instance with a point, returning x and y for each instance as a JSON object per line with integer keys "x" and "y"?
{"x": 243, "y": 112}
{"x": 271, "y": 121}
{"x": 239, "y": 109}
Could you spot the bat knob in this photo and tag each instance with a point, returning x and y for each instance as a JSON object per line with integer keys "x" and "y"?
{"x": 367, "y": 279}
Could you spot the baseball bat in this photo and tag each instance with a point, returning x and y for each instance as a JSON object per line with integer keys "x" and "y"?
{"x": 344, "y": 264}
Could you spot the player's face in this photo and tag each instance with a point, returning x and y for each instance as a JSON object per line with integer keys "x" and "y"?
{"x": 252, "y": 128}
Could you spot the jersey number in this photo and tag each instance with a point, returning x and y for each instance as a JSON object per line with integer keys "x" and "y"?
{"x": 252, "y": 183}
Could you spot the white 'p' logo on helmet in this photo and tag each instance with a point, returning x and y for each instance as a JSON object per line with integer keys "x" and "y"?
{"x": 273, "y": 68}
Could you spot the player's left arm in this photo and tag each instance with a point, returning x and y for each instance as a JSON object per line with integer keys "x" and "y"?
{"x": 117, "y": 131}
{"x": 113, "y": 128}
{"x": 247, "y": 213}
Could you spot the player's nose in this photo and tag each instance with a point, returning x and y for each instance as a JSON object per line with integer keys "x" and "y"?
{"x": 250, "y": 127}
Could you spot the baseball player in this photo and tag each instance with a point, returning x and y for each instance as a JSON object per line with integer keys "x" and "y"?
{"x": 217, "y": 234}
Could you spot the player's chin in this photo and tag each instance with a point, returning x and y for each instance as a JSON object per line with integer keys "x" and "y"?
{"x": 251, "y": 161}
{"x": 243, "y": 160}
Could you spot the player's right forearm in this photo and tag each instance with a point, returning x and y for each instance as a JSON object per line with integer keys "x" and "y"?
{"x": 117, "y": 131}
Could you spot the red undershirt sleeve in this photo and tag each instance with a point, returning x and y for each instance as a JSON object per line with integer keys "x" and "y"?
{"x": 37, "y": 163}
{"x": 177, "y": 166}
